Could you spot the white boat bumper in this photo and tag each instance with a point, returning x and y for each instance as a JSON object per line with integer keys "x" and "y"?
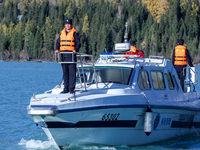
{"x": 52, "y": 110}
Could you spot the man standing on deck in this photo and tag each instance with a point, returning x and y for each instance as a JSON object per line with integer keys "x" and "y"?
{"x": 68, "y": 41}
{"x": 180, "y": 58}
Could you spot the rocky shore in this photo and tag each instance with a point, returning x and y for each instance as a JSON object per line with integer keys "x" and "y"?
{"x": 24, "y": 56}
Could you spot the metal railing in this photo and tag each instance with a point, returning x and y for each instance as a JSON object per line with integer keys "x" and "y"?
{"x": 81, "y": 56}
{"x": 161, "y": 59}
{"x": 116, "y": 58}
{"x": 190, "y": 74}
{"x": 135, "y": 58}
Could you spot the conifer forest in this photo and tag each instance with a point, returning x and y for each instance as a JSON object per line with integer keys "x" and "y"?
{"x": 29, "y": 28}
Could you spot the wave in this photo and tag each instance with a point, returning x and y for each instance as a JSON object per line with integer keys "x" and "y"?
{"x": 94, "y": 147}
{"x": 99, "y": 148}
{"x": 37, "y": 144}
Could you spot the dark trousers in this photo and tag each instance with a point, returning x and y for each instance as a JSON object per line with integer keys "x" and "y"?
{"x": 179, "y": 70}
{"x": 69, "y": 72}
{"x": 69, "y": 76}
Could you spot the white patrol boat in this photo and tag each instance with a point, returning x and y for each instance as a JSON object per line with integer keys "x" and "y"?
{"x": 120, "y": 100}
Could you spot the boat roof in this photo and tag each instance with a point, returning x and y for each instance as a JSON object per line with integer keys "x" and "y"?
{"x": 129, "y": 62}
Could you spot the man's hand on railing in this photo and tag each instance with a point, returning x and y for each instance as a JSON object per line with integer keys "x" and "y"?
{"x": 57, "y": 51}
{"x": 74, "y": 51}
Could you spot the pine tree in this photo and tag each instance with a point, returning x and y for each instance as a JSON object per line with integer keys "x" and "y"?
{"x": 35, "y": 10}
{"x": 85, "y": 29}
{"x": 13, "y": 42}
{"x": 68, "y": 11}
{"x": 28, "y": 39}
{"x": 194, "y": 47}
{"x": 24, "y": 10}
{"x": 5, "y": 37}
{"x": 10, "y": 29}
{"x": 37, "y": 44}
{"x": 15, "y": 11}
{"x": 20, "y": 39}
{"x": 1, "y": 41}
{"x": 48, "y": 38}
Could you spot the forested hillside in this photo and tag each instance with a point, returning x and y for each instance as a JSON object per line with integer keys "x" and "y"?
{"x": 29, "y": 28}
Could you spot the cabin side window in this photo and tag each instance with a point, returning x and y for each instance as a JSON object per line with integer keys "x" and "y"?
{"x": 158, "y": 80}
{"x": 170, "y": 81}
{"x": 143, "y": 80}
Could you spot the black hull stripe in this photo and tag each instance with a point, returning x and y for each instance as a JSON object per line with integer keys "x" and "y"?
{"x": 196, "y": 124}
{"x": 179, "y": 124}
{"x": 93, "y": 124}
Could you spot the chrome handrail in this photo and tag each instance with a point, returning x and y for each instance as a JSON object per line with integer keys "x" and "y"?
{"x": 83, "y": 72}
{"x": 57, "y": 59}
{"x": 187, "y": 73}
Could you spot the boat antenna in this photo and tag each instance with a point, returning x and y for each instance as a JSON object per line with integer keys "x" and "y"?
{"x": 126, "y": 33}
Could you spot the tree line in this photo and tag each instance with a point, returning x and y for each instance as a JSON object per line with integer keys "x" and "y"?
{"x": 29, "y": 28}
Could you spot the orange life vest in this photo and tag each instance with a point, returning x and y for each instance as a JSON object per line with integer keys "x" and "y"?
{"x": 67, "y": 42}
{"x": 180, "y": 55}
{"x": 133, "y": 49}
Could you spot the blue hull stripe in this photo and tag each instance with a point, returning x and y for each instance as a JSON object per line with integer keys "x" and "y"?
{"x": 181, "y": 124}
{"x": 93, "y": 124}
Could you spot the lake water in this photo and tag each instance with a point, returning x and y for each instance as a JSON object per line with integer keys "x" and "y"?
{"x": 18, "y": 82}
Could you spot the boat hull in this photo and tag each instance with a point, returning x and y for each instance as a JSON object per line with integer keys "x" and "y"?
{"x": 118, "y": 126}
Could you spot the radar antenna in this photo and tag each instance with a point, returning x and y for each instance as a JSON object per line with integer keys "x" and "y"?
{"x": 126, "y": 33}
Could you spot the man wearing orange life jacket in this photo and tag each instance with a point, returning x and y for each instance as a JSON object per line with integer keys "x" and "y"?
{"x": 140, "y": 53}
{"x": 68, "y": 41}
{"x": 180, "y": 58}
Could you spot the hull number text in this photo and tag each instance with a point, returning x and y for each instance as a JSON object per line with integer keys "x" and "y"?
{"x": 110, "y": 117}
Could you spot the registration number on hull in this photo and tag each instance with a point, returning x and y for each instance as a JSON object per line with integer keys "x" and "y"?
{"x": 110, "y": 117}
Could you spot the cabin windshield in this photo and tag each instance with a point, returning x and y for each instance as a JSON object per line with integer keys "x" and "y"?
{"x": 120, "y": 75}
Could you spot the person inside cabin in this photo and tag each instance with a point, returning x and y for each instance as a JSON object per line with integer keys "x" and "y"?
{"x": 135, "y": 50}
{"x": 68, "y": 41}
{"x": 180, "y": 58}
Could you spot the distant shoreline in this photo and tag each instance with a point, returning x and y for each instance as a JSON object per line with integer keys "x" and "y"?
{"x": 39, "y": 61}
{"x": 45, "y": 61}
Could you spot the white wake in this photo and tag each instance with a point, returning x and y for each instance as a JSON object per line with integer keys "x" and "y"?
{"x": 36, "y": 144}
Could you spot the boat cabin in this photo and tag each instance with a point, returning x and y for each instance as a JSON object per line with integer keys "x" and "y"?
{"x": 118, "y": 69}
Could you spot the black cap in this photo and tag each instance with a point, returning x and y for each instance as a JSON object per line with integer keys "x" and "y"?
{"x": 180, "y": 41}
{"x": 132, "y": 42}
{"x": 68, "y": 21}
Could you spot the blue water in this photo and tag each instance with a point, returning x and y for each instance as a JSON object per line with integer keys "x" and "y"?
{"x": 18, "y": 81}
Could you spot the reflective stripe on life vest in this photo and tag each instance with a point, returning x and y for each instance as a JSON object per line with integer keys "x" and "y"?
{"x": 180, "y": 55}
{"x": 67, "y": 42}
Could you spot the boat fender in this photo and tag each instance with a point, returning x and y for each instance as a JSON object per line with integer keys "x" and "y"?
{"x": 148, "y": 121}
